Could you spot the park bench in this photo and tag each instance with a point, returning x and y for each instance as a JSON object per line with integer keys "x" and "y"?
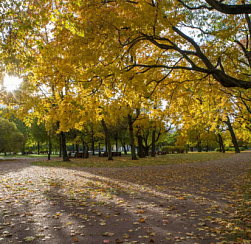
{"x": 161, "y": 152}
{"x": 103, "y": 154}
{"x": 115, "y": 154}
{"x": 77, "y": 155}
{"x": 43, "y": 152}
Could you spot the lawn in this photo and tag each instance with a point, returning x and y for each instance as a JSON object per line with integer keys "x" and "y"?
{"x": 125, "y": 161}
{"x": 26, "y": 156}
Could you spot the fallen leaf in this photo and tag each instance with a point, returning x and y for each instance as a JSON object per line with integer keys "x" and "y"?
{"x": 29, "y": 238}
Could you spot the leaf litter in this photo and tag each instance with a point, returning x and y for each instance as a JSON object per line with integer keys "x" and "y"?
{"x": 195, "y": 203}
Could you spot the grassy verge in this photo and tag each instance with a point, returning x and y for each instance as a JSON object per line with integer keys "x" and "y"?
{"x": 125, "y": 161}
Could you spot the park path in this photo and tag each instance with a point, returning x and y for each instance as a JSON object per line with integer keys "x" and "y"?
{"x": 186, "y": 203}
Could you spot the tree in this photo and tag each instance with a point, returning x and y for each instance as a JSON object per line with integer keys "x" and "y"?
{"x": 10, "y": 139}
{"x": 94, "y": 56}
{"x": 17, "y": 141}
{"x": 39, "y": 133}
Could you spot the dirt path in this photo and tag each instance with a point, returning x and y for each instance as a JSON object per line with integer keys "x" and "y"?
{"x": 188, "y": 203}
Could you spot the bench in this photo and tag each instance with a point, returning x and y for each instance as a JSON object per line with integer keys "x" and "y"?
{"x": 115, "y": 154}
{"x": 77, "y": 155}
{"x": 161, "y": 152}
{"x": 105, "y": 154}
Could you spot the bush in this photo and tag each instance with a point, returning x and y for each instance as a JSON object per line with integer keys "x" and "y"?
{"x": 230, "y": 149}
{"x": 173, "y": 149}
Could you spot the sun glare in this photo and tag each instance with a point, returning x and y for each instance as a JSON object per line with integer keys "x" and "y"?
{"x": 11, "y": 83}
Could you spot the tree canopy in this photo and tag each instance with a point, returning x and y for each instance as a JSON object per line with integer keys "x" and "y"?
{"x": 84, "y": 61}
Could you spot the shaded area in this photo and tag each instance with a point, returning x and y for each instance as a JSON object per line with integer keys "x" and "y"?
{"x": 191, "y": 203}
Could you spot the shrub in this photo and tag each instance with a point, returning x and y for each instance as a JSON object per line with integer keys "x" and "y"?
{"x": 173, "y": 149}
{"x": 230, "y": 149}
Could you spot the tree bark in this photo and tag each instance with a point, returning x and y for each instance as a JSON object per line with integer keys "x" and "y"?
{"x": 130, "y": 123}
{"x": 116, "y": 139}
{"x": 38, "y": 148}
{"x": 77, "y": 148}
{"x": 146, "y": 149}
{"x": 60, "y": 147}
{"x": 153, "y": 144}
{"x": 141, "y": 150}
{"x": 63, "y": 146}
{"x": 86, "y": 150}
{"x": 198, "y": 144}
{"x": 107, "y": 136}
{"x": 83, "y": 144}
{"x": 222, "y": 148}
{"x": 23, "y": 149}
{"x": 49, "y": 153}
{"x": 105, "y": 145}
{"x": 234, "y": 140}
{"x": 124, "y": 146}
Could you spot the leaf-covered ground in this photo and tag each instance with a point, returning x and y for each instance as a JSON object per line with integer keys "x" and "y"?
{"x": 125, "y": 161}
{"x": 200, "y": 202}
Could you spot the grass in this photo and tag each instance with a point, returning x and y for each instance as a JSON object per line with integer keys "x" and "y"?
{"x": 27, "y": 156}
{"x": 125, "y": 161}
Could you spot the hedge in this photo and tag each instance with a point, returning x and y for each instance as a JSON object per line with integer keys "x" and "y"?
{"x": 229, "y": 149}
{"x": 173, "y": 149}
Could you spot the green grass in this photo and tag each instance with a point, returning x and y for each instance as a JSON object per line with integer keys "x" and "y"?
{"x": 125, "y": 161}
{"x": 27, "y": 156}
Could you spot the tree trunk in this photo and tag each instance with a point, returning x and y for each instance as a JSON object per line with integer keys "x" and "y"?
{"x": 23, "y": 149}
{"x": 116, "y": 139}
{"x": 207, "y": 147}
{"x": 83, "y": 146}
{"x": 124, "y": 147}
{"x": 146, "y": 149}
{"x": 93, "y": 148}
{"x": 198, "y": 144}
{"x": 63, "y": 146}
{"x": 105, "y": 145}
{"x": 153, "y": 144}
{"x": 99, "y": 148}
{"x": 130, "y": 123}
{"x": 38, "y": 148}
{"x": 141, "y": 150}
{"x": 77, "y": 148}
{"x": 107, "y": 137}
{"x": 86, "y": 150}
{"x": 60, "y": 147}
{"x": 222, "y": 149}
{"x": 220, "y": 146}
{"x": 73, "y": 148}
{"x": 49, "y": 153}
{"x": 234, "y": 140}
